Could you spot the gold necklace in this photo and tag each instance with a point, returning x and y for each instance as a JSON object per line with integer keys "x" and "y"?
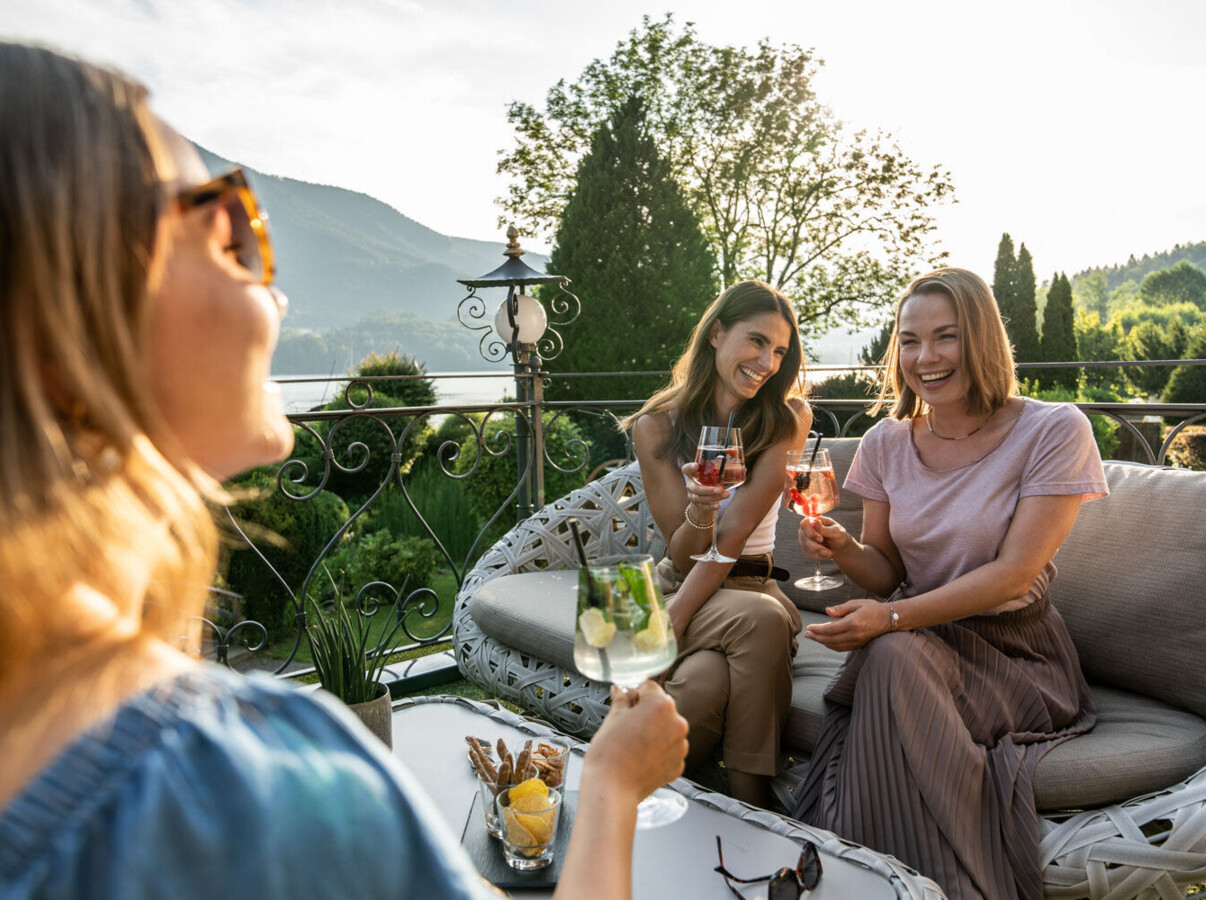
{"x": 961, "y": 437}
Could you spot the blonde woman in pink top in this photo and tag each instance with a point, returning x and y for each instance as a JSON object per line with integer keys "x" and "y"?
{"x": 957, "y": 685}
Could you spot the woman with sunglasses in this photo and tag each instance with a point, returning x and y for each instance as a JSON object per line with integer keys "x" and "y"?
{"x": 137, "y": 322}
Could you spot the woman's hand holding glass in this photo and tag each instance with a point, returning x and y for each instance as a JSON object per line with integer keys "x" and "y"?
{"x": 704, "y": 499}
{"x": 822, "y": 538}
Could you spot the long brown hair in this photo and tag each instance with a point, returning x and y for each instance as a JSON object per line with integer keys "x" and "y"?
{"x": 765, "y": 419}
{"x": 86, "y": 496}
{"x": 985, "y": 352}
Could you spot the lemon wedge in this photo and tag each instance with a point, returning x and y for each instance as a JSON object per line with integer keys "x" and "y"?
{"x": 597, "y": 631}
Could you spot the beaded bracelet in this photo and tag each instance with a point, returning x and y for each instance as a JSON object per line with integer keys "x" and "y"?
{"x": 693, "y": 523}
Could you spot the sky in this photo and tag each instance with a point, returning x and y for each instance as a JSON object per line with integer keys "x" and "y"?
{"x": 1071, "y": 124}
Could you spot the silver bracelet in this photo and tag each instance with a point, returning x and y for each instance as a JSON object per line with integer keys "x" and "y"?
{"x": 693, "y": 523}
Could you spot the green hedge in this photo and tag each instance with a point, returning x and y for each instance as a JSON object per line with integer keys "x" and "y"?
{"x": 301, "y": 530}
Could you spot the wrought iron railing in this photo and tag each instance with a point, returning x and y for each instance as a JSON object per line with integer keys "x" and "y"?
{"x": 378, "y": 450}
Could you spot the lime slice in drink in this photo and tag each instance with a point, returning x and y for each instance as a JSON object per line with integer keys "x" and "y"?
{"x": 653, "y": 636}
{"x": 597, "y": 631}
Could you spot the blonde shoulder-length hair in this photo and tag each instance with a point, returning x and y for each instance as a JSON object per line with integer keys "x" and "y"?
{"x": 87, "y": 497}
{"x": 986, "y": 354}
{"x": 766, "y": 419}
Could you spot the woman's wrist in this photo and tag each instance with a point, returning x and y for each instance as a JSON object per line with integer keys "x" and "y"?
{"x": 696, "y": 523}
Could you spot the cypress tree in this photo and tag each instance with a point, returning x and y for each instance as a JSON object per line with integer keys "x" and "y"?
{"x": 1022, "y": 324}
{"x": 1059, "y": 335}
{"x": 1005, "y": 279}
{"x": 639, "y": 263}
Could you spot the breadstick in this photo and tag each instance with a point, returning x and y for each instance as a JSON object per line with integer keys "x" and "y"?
{"x": 521, "y": 764}
{"x": 481, "y": 762}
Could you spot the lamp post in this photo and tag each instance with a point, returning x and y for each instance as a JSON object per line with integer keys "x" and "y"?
{"x": 521, "y": 329}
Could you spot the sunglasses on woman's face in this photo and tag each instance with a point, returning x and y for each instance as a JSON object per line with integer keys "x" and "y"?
{"x": 786, "y": 884}
{"x": 248, "y": 223}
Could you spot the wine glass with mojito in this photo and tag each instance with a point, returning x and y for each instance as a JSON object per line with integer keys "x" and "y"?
{"x": 623, "y": 635}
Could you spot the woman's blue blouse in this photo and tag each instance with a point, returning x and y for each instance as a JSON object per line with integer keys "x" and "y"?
{"x": 217, "y": 785}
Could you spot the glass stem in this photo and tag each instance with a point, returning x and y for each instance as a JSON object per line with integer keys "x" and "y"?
{"x": 817, "y": 573}
{"x": 715, "y": 525}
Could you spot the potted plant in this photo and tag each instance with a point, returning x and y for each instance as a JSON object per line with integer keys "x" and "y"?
{"x": 349, "y": 666}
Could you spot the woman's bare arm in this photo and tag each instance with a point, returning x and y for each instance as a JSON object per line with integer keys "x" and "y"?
{"x": 1040, "y": 524}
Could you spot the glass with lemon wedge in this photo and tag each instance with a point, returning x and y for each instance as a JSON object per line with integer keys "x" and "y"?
{"x": 623, "y": 635}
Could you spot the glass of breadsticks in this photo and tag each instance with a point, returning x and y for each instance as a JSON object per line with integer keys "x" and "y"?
{"x": 498, "y": 768}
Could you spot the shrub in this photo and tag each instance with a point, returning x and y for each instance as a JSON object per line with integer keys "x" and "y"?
{"x": 301, "y": 529}
{"x": 404, "y": 563}
{"x": 1188, "y": 449}
{"x": 378, "y": 433}
{"x": 495, "y": 477}
{"x": 441, "y": 500}
{"x": 851, "y": 386}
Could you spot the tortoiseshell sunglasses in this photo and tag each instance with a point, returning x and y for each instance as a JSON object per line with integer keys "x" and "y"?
{"x": 248, "y": 222}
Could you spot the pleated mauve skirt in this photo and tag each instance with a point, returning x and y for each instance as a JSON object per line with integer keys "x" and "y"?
{"x": 929, "y": 745}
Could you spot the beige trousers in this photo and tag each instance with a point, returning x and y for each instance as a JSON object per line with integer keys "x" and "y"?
{"x": 732, "y": 679}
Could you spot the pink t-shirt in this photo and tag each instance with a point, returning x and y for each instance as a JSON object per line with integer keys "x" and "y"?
{"x": 948, "y": 522}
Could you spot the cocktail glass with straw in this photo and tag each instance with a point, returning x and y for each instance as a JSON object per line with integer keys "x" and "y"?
{"x": 623, "y": 635}
{"x": 719, "y": 460}
{"x": 812, "y": 491}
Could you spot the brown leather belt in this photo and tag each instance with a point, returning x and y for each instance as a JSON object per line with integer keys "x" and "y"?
{"x": 758, "y": 567}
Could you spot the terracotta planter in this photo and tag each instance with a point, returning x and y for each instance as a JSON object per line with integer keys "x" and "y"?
{"x": 378, "y": 715}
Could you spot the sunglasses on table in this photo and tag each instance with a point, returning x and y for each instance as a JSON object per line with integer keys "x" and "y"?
{"x": 786, "y": 884}
{"x": 248, "y": 222}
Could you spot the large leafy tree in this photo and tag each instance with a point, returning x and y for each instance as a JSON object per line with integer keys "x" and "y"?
{"x": 640, "y": 264}
{"x": 839, "y": 219}
{"x": 1180, "y": 283}
{"x": 1059, "y": 335}
{"x": 1147, "y": 341}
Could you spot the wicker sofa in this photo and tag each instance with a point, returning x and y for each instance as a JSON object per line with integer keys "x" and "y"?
{"x": 1124, "y": 807}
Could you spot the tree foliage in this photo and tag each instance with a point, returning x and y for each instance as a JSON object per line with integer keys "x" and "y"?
{"x": 1181, "y": 283}
{"x": 1059, "y": 335}
{"x": 1004, "y": 275}
{"x": 1013, "y": 284}
{"x": 1023, "y": 319}
{"x": 1187, "y": 384}
{"x": 1149, "y": 340}
{"x": 836, "y": 218}
{"x": 637, "y": 258}
{"x": 1100, "y": 343}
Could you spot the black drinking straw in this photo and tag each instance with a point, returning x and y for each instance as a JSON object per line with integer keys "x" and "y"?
{"x": 811, "y": 461}
{"x": 593, "y": 597}
{"x": 724, "y": 450}
{"x": 592, "y": 591}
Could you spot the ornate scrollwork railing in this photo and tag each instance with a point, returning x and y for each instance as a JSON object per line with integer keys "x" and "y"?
{"x": 378, "y": 457}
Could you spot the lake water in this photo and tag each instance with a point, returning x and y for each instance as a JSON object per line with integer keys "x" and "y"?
{"x": 452, "y": 389}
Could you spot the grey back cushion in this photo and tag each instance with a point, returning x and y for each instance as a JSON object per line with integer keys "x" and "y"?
{"x": 1131, "y": 584}
{"x": 849, "y": 513}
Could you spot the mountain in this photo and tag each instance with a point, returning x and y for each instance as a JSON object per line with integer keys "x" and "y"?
{"x": 343, "y": 257}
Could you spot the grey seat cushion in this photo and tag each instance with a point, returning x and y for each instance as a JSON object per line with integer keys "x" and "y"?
{"x": 1131, "y": 584}
{"x": 1139, "y": 744}
{"x": 533, "y": 612}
